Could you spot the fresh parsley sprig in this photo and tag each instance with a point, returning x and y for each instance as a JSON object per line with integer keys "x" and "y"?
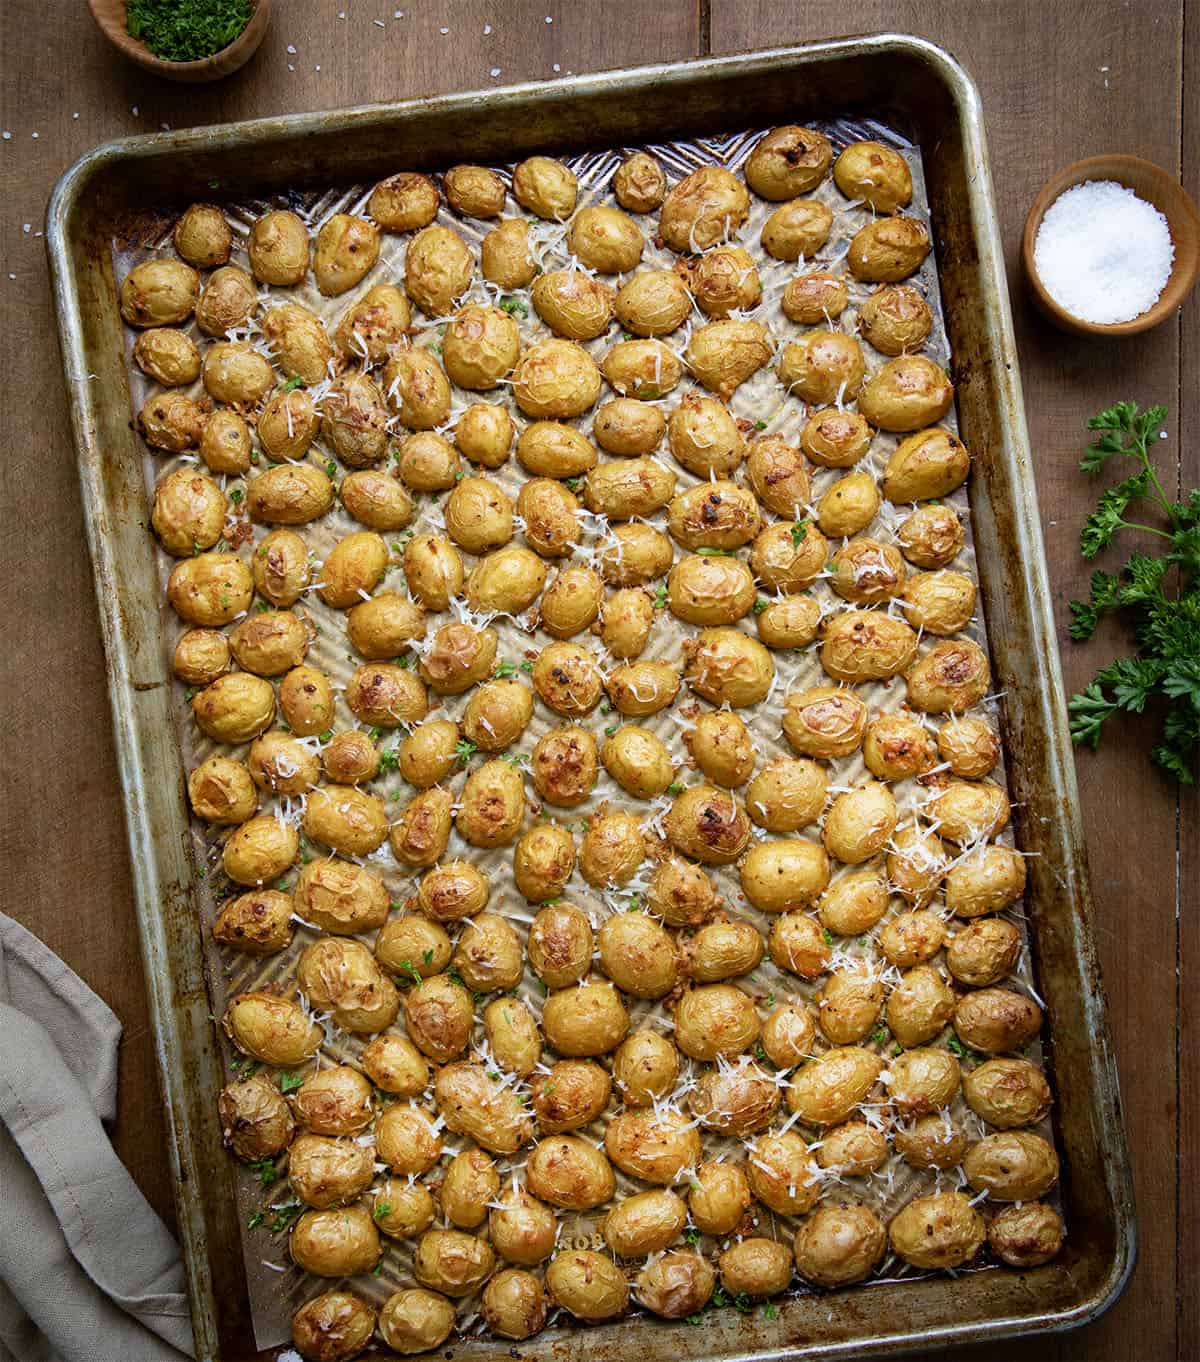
{"x": 1159, "y": 596}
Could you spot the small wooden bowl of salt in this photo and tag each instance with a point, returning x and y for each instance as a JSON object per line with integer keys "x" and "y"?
{"x": 1111, "y": 246}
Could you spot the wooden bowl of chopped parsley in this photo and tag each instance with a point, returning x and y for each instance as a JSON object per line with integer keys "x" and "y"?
{"x": 186, "y": 40}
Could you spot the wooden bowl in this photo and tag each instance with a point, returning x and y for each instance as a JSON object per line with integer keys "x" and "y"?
{"x": 1149, "y": 182}
{"x": 110, "y": 15}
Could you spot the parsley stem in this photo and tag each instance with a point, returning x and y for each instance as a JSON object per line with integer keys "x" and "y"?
{"x": 1150, "y": 529}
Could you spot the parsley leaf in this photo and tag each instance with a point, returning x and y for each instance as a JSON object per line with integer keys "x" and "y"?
{"x": 290, "y": 1082}
{"x": 464, "y": 750}
{"x": 799, "y": 533}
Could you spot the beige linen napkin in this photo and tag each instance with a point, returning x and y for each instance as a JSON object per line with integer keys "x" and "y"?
{"x": 88, "y": 1272}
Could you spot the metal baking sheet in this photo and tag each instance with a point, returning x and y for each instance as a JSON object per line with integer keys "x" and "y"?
{"x": 923, "y": 92}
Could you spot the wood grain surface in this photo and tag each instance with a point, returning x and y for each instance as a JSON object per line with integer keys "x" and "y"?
{"x": 1059, "y": 81}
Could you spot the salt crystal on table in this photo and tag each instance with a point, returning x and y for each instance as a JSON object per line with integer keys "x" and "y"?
{"x": 1103, "y": 254}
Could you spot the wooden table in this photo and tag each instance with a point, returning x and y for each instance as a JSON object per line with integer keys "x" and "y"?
{"x": 1059, "y": 81}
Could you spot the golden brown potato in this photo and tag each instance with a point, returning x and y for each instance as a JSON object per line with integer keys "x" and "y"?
{"x": 227, "y": 300}
{"x": 291, "y": 494}
{"x": 572, "y": 601}
{"x": 338, "y": 1242}
{"x": 874, "y": 174}
{"x": 656, "y": 1147}
{"x": 514, "y": 1304}
{"x": 724, "y": 950}
{"x": 708, "y": 824}
{"x": 726, "y": 667}
{"x": 983, "y": 952}
{"x": 170, "y": 421}
{"x": 570, "y": 1173}
{"x": 353, "y": 421}
{"x": 681, "y": 893}
{"x": 916, "y": 863}
{"x": 919, "y": 1006}
{"x": 719, "y": 1197}
{"x": 586, "y": 1020}
{"x": 627, "y": 488}
{"x": 340, "y": 897}
{"x": 271, "y": 1029}
{"x": 645, "y": 1067}
{"x": 345, "y": 250}
{"x": 404, "y": 202}
{"x": 896, "y": 747}
{"x": 427, "y": 462}
{"x": 488, "y": 955}
{"x": 799, "y": 945}
{"x": 297, "y": 341}
{"x": 412, "y": 945}
{"x": 639, "y": 183}
{"x": 988, "y": 881}
{"x": 255, "y": 1121}
{"x": 628, "y": 427}
{"x": 835, "y": 439}
{"x": 931, "y": 463}
{"x": 710, "y": 590}
{"x": 429, "y": 753}
{"x": 548, "y": 449}
{"x": 346, "y": 819}
{"x": 235, "y": 708}
{"x": 278, "y": 248}
{"x": 788, "y": 795}
{"x": 417, "y": 389}
{"x": 560, "y": 945}
{"x": 939, "y": 603}
{"x": 923, "y": 1081}
{"x": 479, "y": 515}
{"x": 587, "y": 1285}
{"x": 706, "y": 207}
{"x": 951, "y": 677}
{"x": 787, "y": 623}
{"x": 222, "y": 791}
{"x": 888, "y": 249}
{"x": 202, "y": 236}
{"x": 939, "y": 1231}
{"x": 853, "y": 1149}
{"x": 458, "y": 656}
{"x": 651, "y": 303}
{"x": 612, "y": 848}
{"x": 722, "y": 747}
{"x": 564, "y": 766}
{"x": 850, "y": 1001}
{"x": 270, "y": 642}
{"x": 497, "y": 714}
{"x": 638, "y": 955}
{"x": 735, "y": 1100}
{"x": 1007, "y": 1093}
{"x": 325, "y": 1172}
{"x": 797, "y": 230}
{"x": 644, "y": 368}
{"x": 480, "y": 347}
{"x": 634, "y": 554}
{"x": 168, "y": 356}
{"x": 605, "y": 240}
{"x": 288, "y": 424}
{"x": 725, "y": 353}
{"x": 971, "y": 746}
{"x": 433, "y": 570}
{"x": 788, "y": 161}
{"x": 895, "y": 319}
{"x": 824, "y": 722}
{"x": 260, "y": 850}
{"x": 715, "y": 1019}
{"x": 420, "y": 834}
{"x": 788, "y": 558}
{"x": 343, "y": 977}
{"x": 406, "y": 1140}
{"x": 969, "y": 811}
{"x": 415, "y": 1321}
{"x": 827, "y": 1089}
{"x": 452, "y": 891}
{"x": 474, "y": 191}
{"x": 159, "y": 293}
{"x": 930, "y": 1142}
{"x": 522, "y": 1229}
{"x": 504, "y": 255}
{"x": 931, "y": 537}
{"x": 546, "y": 187}
{"x": 234, "y": 372}
{"x": 353, "y": 568}
{"x": 676, "y": 1285}
{"x": 626, "y": 619}
{"x": 866, "y": 572}
{"x": 866, "y": 645}
{"x": 756, "y": 1267}
{"x": 472, "y": 1102}
{"x": 997, "y": 1020}
{"x": 839, "y": 1244}
{"x": 438, "y": 265}
{"x": 385, "y": 695}
{"x": 783, "y": 874}
{"x": 782, "y": 1174}
{"x": 788, "y": 1034}
{"x": 384, "y": 626}
{"x": 715, "y": 515}
{"x": 848, "y": 506}
{"x": 907, "y": 394}
{"x": 810, "y": 299}
{"x": 912, "y": 938}
{"x": 779, "y": 477}
{"x": 854, "y": 903}
{"x": 281, "y": 763}
{"x": 1026, "y": 1236}
{"x": 403, "y": 1209}
{"x": 573, "y": 304}
{"x": 188, "y": 513}
{"x": 860, "y": 823}
{"x": 571, "y": 1095}
{"x": 438, "y": 1017}
{"x": 567, "y": 678}
{"x": 551, "y": 515}
{"x": 1013, "y": 1165}
{"x": 823, "y": 367}
{"x": 722, "y": 281}
{"x": 370, "y": 327}
{"x": 452, "y": 1262}
{"x": 704, "y": 438}
{"x": 492, "y": 805}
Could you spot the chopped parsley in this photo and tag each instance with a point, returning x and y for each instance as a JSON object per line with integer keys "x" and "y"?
{"x": 799, "y": 533}
{"x": 290, "y": 1082}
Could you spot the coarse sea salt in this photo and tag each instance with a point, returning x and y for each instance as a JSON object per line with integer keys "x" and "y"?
{"x": 1103, "y": 254}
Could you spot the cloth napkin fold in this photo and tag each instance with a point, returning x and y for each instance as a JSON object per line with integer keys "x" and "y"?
{"x": 88, "y": 1272}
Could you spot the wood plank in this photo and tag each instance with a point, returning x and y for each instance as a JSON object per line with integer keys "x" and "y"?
{"x": 64, "y": 862}
{"x": 1060, "y": 82}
